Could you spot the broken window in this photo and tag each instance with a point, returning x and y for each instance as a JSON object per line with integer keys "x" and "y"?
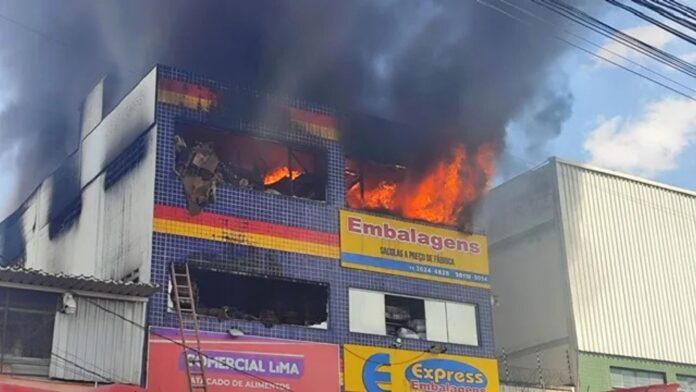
{"x": 441, "y": 193}
{"x": 373, "y": 186}
{"x": 269, "y": 301}
{"x": 206, "y": 158}
{"x": 405, "y": 316}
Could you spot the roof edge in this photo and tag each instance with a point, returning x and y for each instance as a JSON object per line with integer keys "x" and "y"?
{"x": 41, "y": 279}
{"x": 626, "y": 176}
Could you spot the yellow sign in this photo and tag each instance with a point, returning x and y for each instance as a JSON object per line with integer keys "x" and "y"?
{"x": 376, "y": 369}
{"x": 403, "y": 248}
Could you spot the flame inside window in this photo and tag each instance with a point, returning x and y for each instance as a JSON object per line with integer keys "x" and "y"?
{"x": 249, "y": 162}
{"x": 439, "y": 195}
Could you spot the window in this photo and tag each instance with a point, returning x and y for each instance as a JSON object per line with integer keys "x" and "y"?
{"x": 26, "y": 319}
{"x": 373, "y": 186}
{"x": 411, "y": 317}
{"x": 269, "y": 301}
{"x": 208, "y": 156}
{"x": 686, "y": 383}
{"x": 629, "y": 378}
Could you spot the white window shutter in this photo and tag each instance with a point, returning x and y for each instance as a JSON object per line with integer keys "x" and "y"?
{"x": 462, "y": 327}
{"x": 366, "y": 312}
{"x": 435, "y": 321}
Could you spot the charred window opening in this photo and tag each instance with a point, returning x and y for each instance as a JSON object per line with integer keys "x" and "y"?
{"x": 254, "y": 298}
{"x": 441, "y": 192}
{"x": 205, "y": 158}
{"x": 405, "y": 317}
{"x": 373, "y": 186}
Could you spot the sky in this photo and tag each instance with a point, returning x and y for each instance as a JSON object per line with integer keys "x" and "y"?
{"x": 620, "y": 121}
{"x": 617, "y": 121}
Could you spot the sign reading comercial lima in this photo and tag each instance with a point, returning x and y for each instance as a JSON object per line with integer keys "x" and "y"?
{"x": 397, "y": 247}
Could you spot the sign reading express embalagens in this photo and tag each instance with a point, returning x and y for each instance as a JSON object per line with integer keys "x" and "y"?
{"x": 397, "y": 247}
{"x": 375, "y": 369}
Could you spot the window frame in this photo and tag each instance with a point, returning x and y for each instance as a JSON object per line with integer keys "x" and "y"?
{"x": 635, "y": 371}
{"x": 323, "y": 326}
{"x": 691, "y": 377}
{"x": 319, "y": 154}
{"x": 426, "y": 301}
{"x": 45, "y": 309}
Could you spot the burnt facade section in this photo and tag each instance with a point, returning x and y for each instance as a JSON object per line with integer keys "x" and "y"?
{"x": 248, "y": 193}
{"x": 207, "y": 158}
{"x": 265, "y": 299}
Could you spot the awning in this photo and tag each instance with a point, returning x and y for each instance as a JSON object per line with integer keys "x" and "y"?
{"x": 32, "y": 277}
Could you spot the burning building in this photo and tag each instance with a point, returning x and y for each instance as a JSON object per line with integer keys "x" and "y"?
{"x": 293, "y": 237}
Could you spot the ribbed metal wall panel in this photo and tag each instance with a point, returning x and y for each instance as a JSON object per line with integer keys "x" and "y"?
{"x": 95, "y": 345}
{"x": 631, "y": 253}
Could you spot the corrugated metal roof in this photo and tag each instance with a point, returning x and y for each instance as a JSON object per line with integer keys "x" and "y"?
{"x": 27, "y": 276}
{"x": 624, "y": 176}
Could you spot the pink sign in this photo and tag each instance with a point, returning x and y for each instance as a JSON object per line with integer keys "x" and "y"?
{"x": 242, "y": 363}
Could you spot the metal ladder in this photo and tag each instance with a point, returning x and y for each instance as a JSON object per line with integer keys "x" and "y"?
{"x": 184, "y": 303}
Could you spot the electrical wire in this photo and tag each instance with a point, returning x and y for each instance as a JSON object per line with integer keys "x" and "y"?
{"x": 666, "y": 12}
{"x": 110, "y": 376}
{"x": 653, "y": 21}
{"x": 578, "y": 16}
{"x": 598, "y": 46}
{"x": 678, "y": 7}
{"x": 420, "y": 355}
{"x": 674, "y": 90}
{"x": 78, "y": 366}
{"x": 198, "y": 352}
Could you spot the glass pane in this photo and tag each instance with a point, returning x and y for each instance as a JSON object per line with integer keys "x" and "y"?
{"x": 34, "y": 300}
{"x": 366, "y": 312}
{"x": 686, "y": 383}
{"x": 629, "y": 378}
{"x": 436, "y": 321}
{"x": 28, "y": 335}
{"x": 461, "y": 324}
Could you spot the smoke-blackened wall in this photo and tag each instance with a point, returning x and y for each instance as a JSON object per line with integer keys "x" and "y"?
{"x": 452, "y": 70}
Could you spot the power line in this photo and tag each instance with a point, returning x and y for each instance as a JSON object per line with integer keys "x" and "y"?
{"x": 199, "y": 352}
{"x": 82, "y": 368}
{"x": 653, "y": 21}
{"x": 498, "y": 9}
{"x": 582, "y": 18}
{"x": 420, "y": 355}
{"x": 678, "y": 7}
{"x": 598, "y": 46}
{"x": 110, "y": 376}
{"x": 667, "y": 13}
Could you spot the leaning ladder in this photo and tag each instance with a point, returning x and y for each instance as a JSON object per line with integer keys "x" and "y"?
{"x": 185, "y": 305}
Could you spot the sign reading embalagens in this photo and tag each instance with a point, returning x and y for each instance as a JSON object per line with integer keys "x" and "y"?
{"x": 398, "y": 247}
{"x": 412, "y": 236}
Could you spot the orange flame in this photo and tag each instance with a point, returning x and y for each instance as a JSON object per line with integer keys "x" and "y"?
{"x": 439, "y": 196}
{"x": 280, "y": 174}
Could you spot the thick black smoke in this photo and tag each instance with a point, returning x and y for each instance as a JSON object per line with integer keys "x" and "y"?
{"x": 452, "y": 69}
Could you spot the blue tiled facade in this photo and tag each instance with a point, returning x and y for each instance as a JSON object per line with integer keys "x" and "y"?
{"x": 296, "y": 212}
